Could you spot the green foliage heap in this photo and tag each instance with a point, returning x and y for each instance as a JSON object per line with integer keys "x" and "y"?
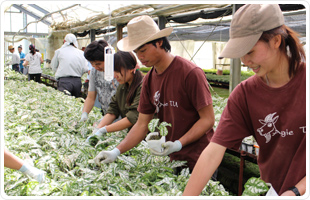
{"x": 41, "y": 125}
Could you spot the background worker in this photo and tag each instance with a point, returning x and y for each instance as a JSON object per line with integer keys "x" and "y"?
{"x": 22, "y": 58}
{"x": 33, "y": 60}
{"x": 70, "y": 65}
{"x": 15, "y": 59}
{"x": 271, "y": 105}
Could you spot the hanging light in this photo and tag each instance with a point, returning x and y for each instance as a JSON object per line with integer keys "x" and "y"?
{"x": 108, "y": 63}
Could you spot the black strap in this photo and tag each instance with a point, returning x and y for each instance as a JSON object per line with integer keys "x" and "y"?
{"x": 295, "y": 190}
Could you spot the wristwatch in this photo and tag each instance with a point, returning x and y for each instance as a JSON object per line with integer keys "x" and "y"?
{"x": 295, "y": 190}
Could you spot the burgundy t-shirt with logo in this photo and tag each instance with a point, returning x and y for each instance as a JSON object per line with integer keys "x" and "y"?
{"x": 276, "y": 117}
{"x": 175, "y": 96}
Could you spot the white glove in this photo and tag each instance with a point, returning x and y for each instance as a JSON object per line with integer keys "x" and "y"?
{"x": 150, "y": 135}
{"x": 169, "y": 147}
{"x": 84, "y": 117}
{"x": 107, "y": 156}
{"x": 33, "y": 172}
{"x": 98, "y": 133}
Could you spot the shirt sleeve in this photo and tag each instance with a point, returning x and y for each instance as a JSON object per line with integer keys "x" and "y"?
{"x": 145, "y": 104}
{"x": 235, "y": 122}
{"x": 91, "y": 86}
{"x": 27, "y": 57}
{"x": 113, "y": 106}
{"x": 55, "y": 62}
{"x": 198, "y": 89}
{"x": 132, "y": 114}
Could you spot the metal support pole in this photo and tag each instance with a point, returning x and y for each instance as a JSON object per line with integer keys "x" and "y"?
{"x": 235, "y": 73}
{"x": 161, "y": 22}
{"x": 119, "y": 32}
{"x": 25, "y": 22}
{"x": 92, "y": 35}
{"x": 240, "y": 188}
{"x": 235, "y": 64}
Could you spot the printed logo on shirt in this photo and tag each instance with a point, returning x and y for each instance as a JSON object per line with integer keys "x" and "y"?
{"x": 269, "y": 128}
{"x": 157, "y": 103}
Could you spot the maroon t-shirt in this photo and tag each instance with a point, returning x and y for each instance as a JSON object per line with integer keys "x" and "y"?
{"x": 175, "y": 96}
{"x": 276, "y": 117}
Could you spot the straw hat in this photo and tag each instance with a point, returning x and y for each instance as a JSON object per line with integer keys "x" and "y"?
{"x": 10, "y": 47}
{"x": 247, "y": 26}
{"x": 141, "y": 30}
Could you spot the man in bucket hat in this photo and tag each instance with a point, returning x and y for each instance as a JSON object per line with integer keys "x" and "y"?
{"x": 15, "y": 58}
{"x": 175, "y": 90}
{"x": 265, "y": 105}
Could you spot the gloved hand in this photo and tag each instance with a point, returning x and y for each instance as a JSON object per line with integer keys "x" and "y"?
{"x": 33, "y": 172}
{"x": 107, "y": 156}
{"x": 150, "y": 135}
{"x": 169, "y": 147}
{"x": 99, "y": 133}
{"x": 84, "y": 117}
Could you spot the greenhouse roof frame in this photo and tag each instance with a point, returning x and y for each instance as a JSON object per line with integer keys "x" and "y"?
{"x": 190, "y": 21}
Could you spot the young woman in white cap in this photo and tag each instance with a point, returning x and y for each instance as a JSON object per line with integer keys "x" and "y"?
{"x": 70, "y": 65}
{"x": 175, "y": 89}
{"x": 271, "y": 105}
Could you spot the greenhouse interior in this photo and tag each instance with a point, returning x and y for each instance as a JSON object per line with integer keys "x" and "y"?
{"x": 70, "y": 134}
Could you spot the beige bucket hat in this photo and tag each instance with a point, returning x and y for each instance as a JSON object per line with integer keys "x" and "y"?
{"x": 247, "y": 26}
{"x": 141, "y": 30}
{"x": 10, "y": 47}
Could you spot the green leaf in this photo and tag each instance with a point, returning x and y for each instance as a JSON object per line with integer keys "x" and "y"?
{"x": 153, "y": 124}
{"x": 255, "y": 187}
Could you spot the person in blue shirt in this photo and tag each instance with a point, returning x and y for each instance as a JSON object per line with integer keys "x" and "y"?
{"x": 22, "y": 58}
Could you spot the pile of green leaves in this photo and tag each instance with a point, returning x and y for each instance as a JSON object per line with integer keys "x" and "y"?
{"x": 42, "y": 126}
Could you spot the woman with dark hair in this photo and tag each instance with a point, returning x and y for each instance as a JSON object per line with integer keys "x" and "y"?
{"x": 34, "y": 60}
{"x": 271, "y": 106}
{"x": 98, "y": 86}
{"x": 126, "y": 99}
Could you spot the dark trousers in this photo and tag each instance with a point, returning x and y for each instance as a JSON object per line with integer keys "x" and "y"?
{"x": 35, "y": 77}
{"x": 15, "y": 67}
{"x": 71, "y": 84}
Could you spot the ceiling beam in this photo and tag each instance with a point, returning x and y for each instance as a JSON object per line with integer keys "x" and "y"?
{"x": 21, "y": 8}
{"x": 39, "y": 8}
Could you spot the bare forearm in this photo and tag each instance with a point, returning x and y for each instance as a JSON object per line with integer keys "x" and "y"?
{"x": 301, "y": 186}
{"x": 119, "y": 125}
{"x": 89, "y": 102}
{"x": 106, "y": 120}
{"x": 204, "y": 124}
{"x": 134, "y": 137}
{"x": 12, "y": 161}
{"x": 196, "y": 132}
{"x": 207, "y": 163}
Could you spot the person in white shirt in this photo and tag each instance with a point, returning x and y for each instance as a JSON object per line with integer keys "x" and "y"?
{"x": 34, "y": 60}
{"x": 69, "y": 64}
{"x": 15, "y": 58}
